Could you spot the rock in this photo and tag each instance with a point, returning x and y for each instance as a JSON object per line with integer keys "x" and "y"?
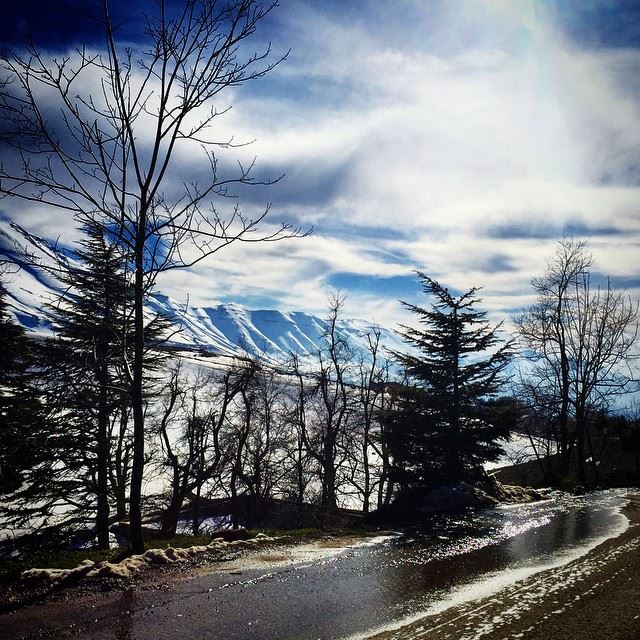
{"x": 230, "y": 535}
{"x": 457, "y": 496}
{"x": 508, "y": 493}
{"x": 484, "y": 492}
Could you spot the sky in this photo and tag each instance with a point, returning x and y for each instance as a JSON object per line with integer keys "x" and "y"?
{"x": 461, "y": 138}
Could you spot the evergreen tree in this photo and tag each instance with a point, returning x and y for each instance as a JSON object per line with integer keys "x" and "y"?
{"x": 90, "y": 363}
{"x": 65, "y": 440}
{"x": 34, "y": 435}
{"x": 89, "y": 359}
{"x": 20, "y": 409}
{"x": 442, "y": 426}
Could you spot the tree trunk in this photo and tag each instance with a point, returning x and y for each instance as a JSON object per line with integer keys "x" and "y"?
{"x": 120, "y": 466}
{"x": 170, "y": 517}
{"x": 385, "y": 488}
{"x": 172, "y": 514}
{"x": 102, "y": 349}
{"x": 300, "y": 474}
{"x": 329, "y": 472}
{"x": 580, "y": 449}
{"x": 195, "y": 513}
{"x": 565, "y": 451}
{"x": 235, "y": 515}
{"x": 137, "y": 397}
{"x": 367, "y": 471}
{"x": 102, "y": 516}
{"x": 329, "y": 486}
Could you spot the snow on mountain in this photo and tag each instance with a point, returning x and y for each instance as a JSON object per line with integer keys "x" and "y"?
{"x": 28, "y": 288}
{"x": 231, "y": 329}
{"x": 226, "y": 329}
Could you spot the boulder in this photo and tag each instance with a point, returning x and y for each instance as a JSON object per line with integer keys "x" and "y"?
{"x": 508, "y": 493}
{"x": 231, "y": 535}
{"x": 457, "y": 496}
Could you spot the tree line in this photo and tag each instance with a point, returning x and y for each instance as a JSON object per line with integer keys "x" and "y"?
{"x": 336, "y": 427}
{"x": 304, "y": 432}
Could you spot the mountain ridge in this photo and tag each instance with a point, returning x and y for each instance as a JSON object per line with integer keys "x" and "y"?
{"x": 228, "y": 329}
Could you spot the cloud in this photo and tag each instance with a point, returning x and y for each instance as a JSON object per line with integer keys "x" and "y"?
{"x": 460, "y": 137}
{"x": 476, "y": 134}
{"x": 542, "y": 231}
{"x": 383, "y": 286}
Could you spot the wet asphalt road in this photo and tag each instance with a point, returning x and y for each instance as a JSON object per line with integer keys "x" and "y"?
{"x": 327, "y": 597}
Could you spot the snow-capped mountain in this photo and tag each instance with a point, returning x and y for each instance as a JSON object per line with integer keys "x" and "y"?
{"x": 226, "y": 329}
{"x": 231, "y": 329}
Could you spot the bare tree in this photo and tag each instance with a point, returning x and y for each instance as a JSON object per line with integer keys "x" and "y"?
{"x": 264, "y": 451}
{"x": 98, "y": 135}
{"x": 543, "y": 331}
{"x": 603, "y": 329}
{"x": 371, "y": 393}
{"x": 256, "y": 438}
{"x": 580, "y": 340}
{"x": 192, "y": 417}
{"x": 299, "y": 464}
{"x": 239, "y": 429}
{"x": 323, "y": 405}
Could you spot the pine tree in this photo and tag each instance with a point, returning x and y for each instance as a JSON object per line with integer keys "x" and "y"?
{"x": 34, "y": 434}
{"x": 90, "y": 354}
{"x": 90, "y": 371}
{"x": 442, "y": 427}
{"x": 20, "y": 409}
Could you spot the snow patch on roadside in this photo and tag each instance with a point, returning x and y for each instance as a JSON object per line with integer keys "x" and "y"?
{"x": 132, "y": 565}
{"x": 304, "y": 554}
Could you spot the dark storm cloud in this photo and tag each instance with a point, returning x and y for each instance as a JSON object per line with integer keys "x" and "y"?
{"x": 57, "y": 24}
{"x": 48, "y": 24}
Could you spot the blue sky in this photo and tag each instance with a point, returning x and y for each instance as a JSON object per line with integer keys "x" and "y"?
{"x": 463, "y": 138}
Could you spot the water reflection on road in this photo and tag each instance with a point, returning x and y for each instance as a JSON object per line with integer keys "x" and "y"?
{"x": 427, "y": 568}
{"x": 470, "y": 555}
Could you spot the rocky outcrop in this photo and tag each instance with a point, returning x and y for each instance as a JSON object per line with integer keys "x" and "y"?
{"x": 485, "y": 493}
{"x": 509, "y": 493}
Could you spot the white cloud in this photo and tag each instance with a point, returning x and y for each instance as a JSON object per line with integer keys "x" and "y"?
{"x": 539, "y": 134}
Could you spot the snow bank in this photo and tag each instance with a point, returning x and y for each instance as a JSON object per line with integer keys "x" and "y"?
{"x": 132, "y": 565}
